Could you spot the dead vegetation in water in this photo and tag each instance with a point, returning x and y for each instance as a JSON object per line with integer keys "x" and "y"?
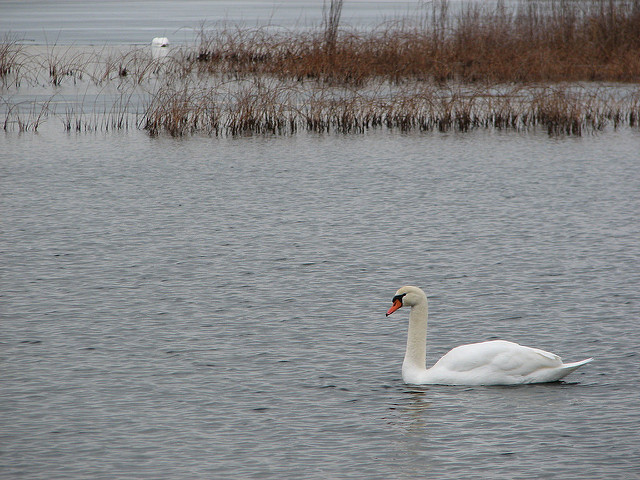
{"x": 26, "y": 117}
{"x": 12, "y": 60}
{"x": 522, "y": 65}
{"x": 276, "y": 108}
{"x": 528, "y": 41}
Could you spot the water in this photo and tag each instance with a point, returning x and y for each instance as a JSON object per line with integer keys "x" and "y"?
{"x": 117, "y": 21}
{"x": 214, "y": 308}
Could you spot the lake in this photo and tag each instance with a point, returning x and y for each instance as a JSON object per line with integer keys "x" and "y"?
{"x": 214, "y": 307}
{"x": 137, "y": 22}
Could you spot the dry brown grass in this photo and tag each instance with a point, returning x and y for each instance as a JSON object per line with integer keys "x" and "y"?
{"x": 532, "y": 41}
{"x": 528, "y": 41}
{"x": 257, "y": 107}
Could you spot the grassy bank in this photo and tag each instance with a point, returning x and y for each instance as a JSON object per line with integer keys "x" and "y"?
{"x": 563, "y": 66}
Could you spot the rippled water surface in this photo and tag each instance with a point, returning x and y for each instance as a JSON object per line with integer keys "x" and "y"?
{"x": 138, "y": 21}
{"x": 214, "y": 308}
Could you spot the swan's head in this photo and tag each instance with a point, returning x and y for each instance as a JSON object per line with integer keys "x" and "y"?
{"x": 407, "y": 296}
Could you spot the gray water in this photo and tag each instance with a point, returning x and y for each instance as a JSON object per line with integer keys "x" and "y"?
{"x": 214, "y": 308}
{"x": 84, "y": 22}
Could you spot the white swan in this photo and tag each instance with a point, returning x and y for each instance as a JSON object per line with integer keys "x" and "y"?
{"x": 496, "y": 362}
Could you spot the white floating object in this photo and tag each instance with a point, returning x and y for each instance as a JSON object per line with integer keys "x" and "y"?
{"x": 160, "y": 42}
{"x": 159, "y": 47}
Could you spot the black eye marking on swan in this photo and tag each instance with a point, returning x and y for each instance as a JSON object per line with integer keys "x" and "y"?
{"x": 398, "y": 297}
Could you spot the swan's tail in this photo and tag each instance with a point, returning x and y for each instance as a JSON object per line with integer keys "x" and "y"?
{"x": 567, "y": 368}
{"x": 575, "y": 365}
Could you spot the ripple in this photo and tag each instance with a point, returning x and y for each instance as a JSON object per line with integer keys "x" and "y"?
{"x": 243, "y": 334}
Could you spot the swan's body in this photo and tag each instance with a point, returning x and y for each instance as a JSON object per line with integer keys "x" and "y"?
{"x": 496, "y": 362}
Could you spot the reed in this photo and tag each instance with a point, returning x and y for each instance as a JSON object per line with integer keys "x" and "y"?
{"x": 331, "y": 23}
{"x": 527, "y": 41}
{"x": 64, "y": 63}
{"x": 119, "y": 115}
{"x": 595, "y": 40}
{"x": 12, "y": 60}
{"x": 25, "y": 116}
{"x": 260, "y": 107}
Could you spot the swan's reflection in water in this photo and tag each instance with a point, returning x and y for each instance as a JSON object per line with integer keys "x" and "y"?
{"x": 413, "y": 413}
{"x": 412, "y": 418}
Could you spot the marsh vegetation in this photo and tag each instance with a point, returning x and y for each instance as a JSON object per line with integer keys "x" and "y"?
{"x": 564, "y": 66}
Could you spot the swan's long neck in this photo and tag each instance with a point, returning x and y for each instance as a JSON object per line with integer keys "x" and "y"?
{"x": 416, "y": 354}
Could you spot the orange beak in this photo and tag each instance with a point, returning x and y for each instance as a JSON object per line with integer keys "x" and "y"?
{"x": 397, "y": 303}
